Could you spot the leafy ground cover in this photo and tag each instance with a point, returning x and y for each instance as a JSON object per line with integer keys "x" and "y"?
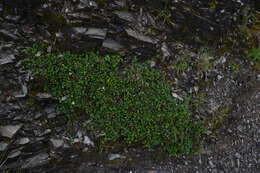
{"x": 131, "y": 105}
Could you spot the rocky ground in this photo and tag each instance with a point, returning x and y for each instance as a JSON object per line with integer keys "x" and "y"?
{"x": 202, "y": 48}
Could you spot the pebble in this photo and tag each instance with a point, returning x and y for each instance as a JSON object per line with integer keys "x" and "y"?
{"x": 97, "y": 33}
{"x": 79, "y": 30}
{"x": 87, "y": 141}
{"x": 3, "y": 146}
{"x": 23, "y": 141}
{"x": 115, "y": 156}
{"x": 6, "y": 58}
{"x": 14, "y": 154}
{"x": 43, "y": 95}
{"x": 56, "y": 143}
{"x": 112, "y": 44}
{"x": 165, "y": 50}
{"x": 140, "y": 36}
{"x": 125, "y": 15}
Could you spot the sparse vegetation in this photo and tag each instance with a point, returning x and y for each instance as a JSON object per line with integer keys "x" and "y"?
{"x": 132, "y": 105}
{"x": 255, "y": 55}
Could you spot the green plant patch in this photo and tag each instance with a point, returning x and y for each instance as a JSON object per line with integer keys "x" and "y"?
{"x": 131, "y": 105}
{"x": 255, "y": 55}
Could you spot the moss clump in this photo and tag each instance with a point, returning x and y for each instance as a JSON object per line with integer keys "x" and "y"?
{"x": 255, "y": 55}
{"x": 132, "y": 105}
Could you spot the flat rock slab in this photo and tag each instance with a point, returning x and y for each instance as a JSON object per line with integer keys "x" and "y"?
{"x": 6, "y": 58}
{"x": 9, "y": 130}
{"x": 140, "y": 36}
{"x": 37, "y": 160}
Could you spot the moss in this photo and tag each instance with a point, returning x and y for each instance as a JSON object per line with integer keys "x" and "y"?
{"x": 134, "y": 109}
{"x": 254, "y": 56}
{"x": 234, "y": 67}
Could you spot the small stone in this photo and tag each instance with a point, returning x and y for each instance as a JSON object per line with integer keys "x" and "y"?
{"x": 211, "y": 164}
{"x": 6, "y": 58}
{"x": 219, "y": 77}
{"x": 43, "y": 95}
{"x": 76, "y": 140}
{"x": 152, "y": 63}
{"x": 38, "y": 115}
{"x": 47, "y": 131}
{"x": 237, "y": 155}
{"x": 23, "y": 141}
{"x": 14, "y": 154}
{"x": 165, "y": 50}
{"x": 52, "y": 115}
{"x": 115, "y": 156}
{"x": 112, "y": 44}
{"x": 24, "y": 90}
{"x": 57, "y": 143}
{"x": 97, "y": 33}
{"x": 87, "y": 141}
{"x": 87, "y": 4}
{"x": 3, "y": 146}
{"x": 196, "y": 89}
{"x": 177, "y": 96}
{"x": 79, "y": 134}
{"x": 79, "y": 30}
{"x": 140, "y": 36}
{"x": 93, "y": 4}
{"x": 9, "y": 130}
{"x": 38, "y": 54}
{"x": 125, "y": 15}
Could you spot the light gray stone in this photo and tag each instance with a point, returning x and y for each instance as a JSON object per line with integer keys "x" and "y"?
{"x": 87, "y": 141}
{"x": 6, "y": 58}
{"x": 97, "y": 33}
{"x": 112, "y": 44}
{"x": 140, "y": 36}
{"x": 125, "y": 15}
{"x": 23, "y": 141}
{"x": 3, "y": 146}
{"x": 9, "y": 130}
{"x": 57, "y": 143}
{"x": 14, "y": 154}
{"x": 37, "y": 160}
{"x": 115, "y": 156}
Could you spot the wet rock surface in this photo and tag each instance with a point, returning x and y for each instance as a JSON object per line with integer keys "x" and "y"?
{"x": 34, "y": 137}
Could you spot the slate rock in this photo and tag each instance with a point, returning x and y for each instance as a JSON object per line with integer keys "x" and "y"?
{"x": 115, "y": 156}
{"x": 125, "y": 15}
{"x": 23, "y": 141}
{"x": 112, "y": 44}
{"x": 9, "y": 130}
{"x": 3, "y": 146}
{"x": 140, "y": 36}
{"x": 98, "y": 33}
{"x": 37, "y": 160}
{"x": 56, "y": 143}
{"x": 6, "y": 58}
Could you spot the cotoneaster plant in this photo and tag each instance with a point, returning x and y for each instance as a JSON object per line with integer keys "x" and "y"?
{"x": 131, "y": 105}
